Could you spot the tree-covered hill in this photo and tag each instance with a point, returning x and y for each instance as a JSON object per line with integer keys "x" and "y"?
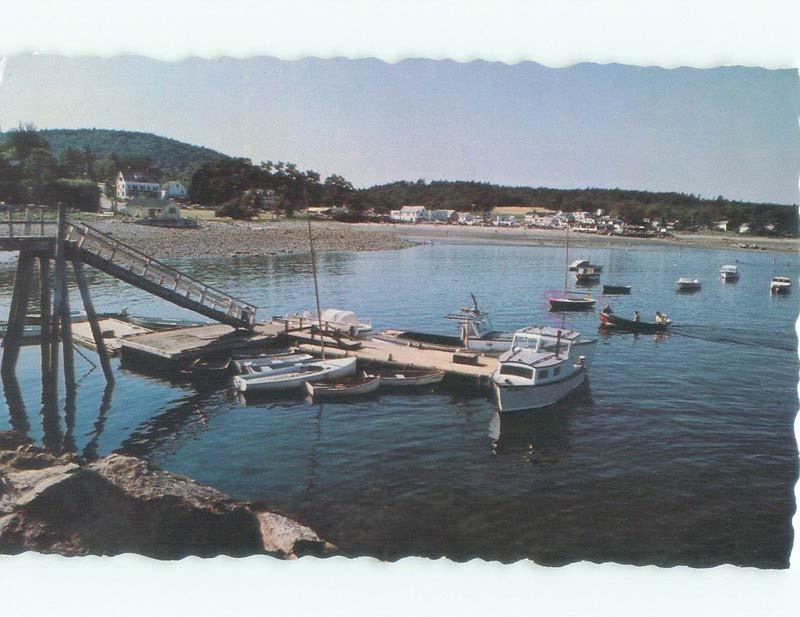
{"x": 169, "y": 155}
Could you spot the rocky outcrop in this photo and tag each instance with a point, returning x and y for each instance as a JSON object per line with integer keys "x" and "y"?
{"x": 120, "y": 504}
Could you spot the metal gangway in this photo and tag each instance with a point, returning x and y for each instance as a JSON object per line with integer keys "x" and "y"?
{"x": 122, "y": 261}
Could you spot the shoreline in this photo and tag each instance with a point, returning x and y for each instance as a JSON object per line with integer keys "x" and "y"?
{"x": 544, "y": 237}
{"x": 226, "y": 238}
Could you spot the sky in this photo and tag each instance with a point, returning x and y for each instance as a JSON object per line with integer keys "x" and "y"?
{"x": 729, "y": 131}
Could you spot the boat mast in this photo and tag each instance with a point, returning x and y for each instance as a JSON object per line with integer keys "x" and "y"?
{"x": 314, "y": 272}
{"x": 566, "y": 262}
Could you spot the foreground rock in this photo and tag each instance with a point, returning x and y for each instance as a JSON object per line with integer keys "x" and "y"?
{"x": 121, "y": 504}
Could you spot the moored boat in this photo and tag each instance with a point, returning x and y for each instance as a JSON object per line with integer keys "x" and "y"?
{"x": 587, "y": 275}
{"x": 616, "y": 290}
{"x": 275, "y": 381}
{"x": 406, "y": 377}
{"x": 687, "y": 284}
{"x": 610, "y": 320}
{"x": 780, "y": 285}
{"x": 209, "y": 368}
{"x": 729, "y": 273}
{"x": 571, "y": 301}
{"x": 270, "y": 362}
{"x": 537, "y": 372}
{"x": 350, "y": 387}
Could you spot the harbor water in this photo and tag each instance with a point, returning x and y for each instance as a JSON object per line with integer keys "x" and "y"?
{"x": 680, "y": 449}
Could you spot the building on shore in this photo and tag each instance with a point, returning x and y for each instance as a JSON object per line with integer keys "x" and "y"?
{"x": 133, "y": 183}
{"x": 410, "y": 214}
{"x": 174, "y": 190}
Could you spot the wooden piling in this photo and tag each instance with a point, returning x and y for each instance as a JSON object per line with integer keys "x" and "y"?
{"x": 93, "y": 323}
{"x": 19, "y": 309}
{"x": 62, "y": 301}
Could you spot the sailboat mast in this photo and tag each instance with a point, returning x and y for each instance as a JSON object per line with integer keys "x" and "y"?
{"x": 314, "y": 272}
{"x": 566, "y": 263}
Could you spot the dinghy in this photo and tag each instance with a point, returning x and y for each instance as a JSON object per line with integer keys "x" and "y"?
{"x": 275, "y": 381}
{"x": 401, "y": 377}
{"x": 354, "y": 386}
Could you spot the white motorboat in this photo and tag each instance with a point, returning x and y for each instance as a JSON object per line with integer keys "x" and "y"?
{"x": 296, "y": 376}
{"x": 583, "y": 263}
{"x": 333, "y": 319}
{"x": 686, "y": 283}
{"x": 729, "y": 273}
{"x": 538, "y": 371}
{"x": 780, "y": 285}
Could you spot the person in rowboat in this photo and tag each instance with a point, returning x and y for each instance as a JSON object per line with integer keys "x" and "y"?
{"x": 636, "y": 316}
{"x": 659, "y": 317}
{"x": 608, "y": 310}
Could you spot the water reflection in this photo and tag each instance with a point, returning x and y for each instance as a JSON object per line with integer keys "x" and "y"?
{"x": 165, "y": 432}
{"x": 542, "y": 435}
{"x": 90, "y": 449}
{"x": 16, "y": 405}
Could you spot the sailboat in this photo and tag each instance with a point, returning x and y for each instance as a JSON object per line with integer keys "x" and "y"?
{"x": 289, "y": 377}
{"x": 570, "y": 300}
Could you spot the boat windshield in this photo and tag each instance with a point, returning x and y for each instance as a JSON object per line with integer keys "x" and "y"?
{"x": 526, "y": 341}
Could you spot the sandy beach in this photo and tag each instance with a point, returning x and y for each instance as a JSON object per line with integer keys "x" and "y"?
{"x": 225, "y": 238}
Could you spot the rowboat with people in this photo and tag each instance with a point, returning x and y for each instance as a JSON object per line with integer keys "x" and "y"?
{"x": 609, "y": 319}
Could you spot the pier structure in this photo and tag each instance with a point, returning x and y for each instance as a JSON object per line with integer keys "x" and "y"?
{"x": 55, "y": 243}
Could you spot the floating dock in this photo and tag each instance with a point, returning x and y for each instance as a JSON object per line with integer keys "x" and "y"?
{"x": 174, "y": 346}
{"x": 399, "y": 354}
{"x": 112, "y": 329}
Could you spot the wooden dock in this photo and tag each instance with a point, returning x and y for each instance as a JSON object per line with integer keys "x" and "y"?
{"x": 398, "y": 354}
{"x": 112, "y": 329}
{"x": 173, "y": 346}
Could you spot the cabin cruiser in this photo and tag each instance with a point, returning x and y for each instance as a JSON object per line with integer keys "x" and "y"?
{"x": 540, "y": 369}
{"x": 686, "y": 283}
{"x": 729, "y": 273}
{"x": 780, "y": 285}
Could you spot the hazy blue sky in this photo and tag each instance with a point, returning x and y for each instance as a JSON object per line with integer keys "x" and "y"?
{"x": 731, "y": 131}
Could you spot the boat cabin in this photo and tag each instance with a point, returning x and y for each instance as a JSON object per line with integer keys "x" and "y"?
{"x": 537, "y": 354}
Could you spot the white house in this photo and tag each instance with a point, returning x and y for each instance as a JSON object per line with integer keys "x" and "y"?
{"x": 721, "y": 225}
{"x": 442, "y": 215}
{"x": 173, "y": 190}
{"x": 137, "y": 184}
{"x": 744, "y": 228}
{"x": 409, "y": 214}
{"x": 149, "y": 208}
{"x": 467, "y": 218}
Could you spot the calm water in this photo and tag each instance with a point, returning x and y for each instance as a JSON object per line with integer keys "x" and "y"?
{"x": 677, "y": 451}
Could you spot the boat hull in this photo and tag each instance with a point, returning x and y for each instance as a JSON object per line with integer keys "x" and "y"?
{"x": 571, "y": 305}
{"x": 780, "y": 290}
{"x": 628, "y": 325}
{"x": 280, "y": 381}
{"x": 616, "y": 289}
{"x": 322, "y": 391}
{"x": 514, "y": 398}
{"x": 399, "y": 379}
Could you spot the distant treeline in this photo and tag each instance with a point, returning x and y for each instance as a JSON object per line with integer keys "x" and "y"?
{"x": 633, "y": 206}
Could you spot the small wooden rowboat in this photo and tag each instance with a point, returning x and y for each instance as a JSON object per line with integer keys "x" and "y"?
{"x": 401, "y": 377}
{"x": 354, "y": 386}
{"x": 609, "y": 320}
{"x": 212, "y": 367}
{"x": 614, "y": 290}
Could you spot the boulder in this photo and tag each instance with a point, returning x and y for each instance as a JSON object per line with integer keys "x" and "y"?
{"x": 121, "y": 504}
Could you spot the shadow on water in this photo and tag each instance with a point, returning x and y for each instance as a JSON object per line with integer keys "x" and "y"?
{"x": 165, "y": 432}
